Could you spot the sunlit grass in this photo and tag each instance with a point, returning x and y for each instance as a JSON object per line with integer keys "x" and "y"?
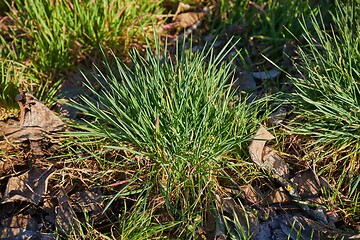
{"x": 328, "y": 100}
{"x": 50, "y": 38}
{"x": 62, "y": 33}
{"x": 178, "y": 111}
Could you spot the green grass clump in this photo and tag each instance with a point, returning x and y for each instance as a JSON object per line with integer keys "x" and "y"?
{"x": 328, "y": 97}
{"x": 59, "y": 34}
{"x": 49, "y": 38}
{"x": 181, "y": 113}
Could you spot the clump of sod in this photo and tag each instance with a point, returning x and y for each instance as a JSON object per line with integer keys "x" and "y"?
{"x": 181, "y": 112}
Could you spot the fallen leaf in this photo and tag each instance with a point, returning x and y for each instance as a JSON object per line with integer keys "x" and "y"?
{"x": 181, "y": 8}
{"x": 36, "y": 149}
{"x": 306, "y": 228}
{"x": 30, "y": 186}
{"x": 278, "y": 195}
{"x": 272, "y": 159}
{"x": 253, "y": 196}
{"x": 8, "y": 128}
{"x": 245, "y": 82}
{"x": 235, "y": 217}
{"x": 66, "y": 221}
{"x": 307, "y": 184}
{"x": 307, "y": 187}
{"x": 13, "y": 227}
{"x": 294, "y": 225}
{"x": 88, "y": 202}
{"x": 256, "y": 147}
{"x": 277, "y": 169}
{"x": 185, "y": 20}
{"x": 264, "y": 75}
{"x": 33, "y": 113}
{"x": 24, "y": 134}
{"x": 37, "y": 122}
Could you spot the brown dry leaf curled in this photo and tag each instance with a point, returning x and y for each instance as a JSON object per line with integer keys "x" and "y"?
{"x": 256, "y": 148}
{"x": 185, "y": 20}
{"x": 265, "y": 157}
{"x": 35, "y": 114}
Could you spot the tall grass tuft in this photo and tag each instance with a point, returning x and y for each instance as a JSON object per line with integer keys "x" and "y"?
{"x": 181, "y": 112}
{"x": 328, "y": 95}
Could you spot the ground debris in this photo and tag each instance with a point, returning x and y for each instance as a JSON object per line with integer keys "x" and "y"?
{"x": 89, "y": 202}
{"x": 37, "y": 126}
{"x": 273, "y": 73}
{"x": 185, "y": 17}
{"x": 30, "y": 186}
{"x": 66, "y": 220}
{"x": 295, "y": 209}
{"x": 14, "y": 226}
{"x": 296, "y": 226}
{"x": 33, "y": 113}
{"x": 234, "y": 218}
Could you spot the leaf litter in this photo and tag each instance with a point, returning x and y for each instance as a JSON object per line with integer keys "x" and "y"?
{"x": 296, "y": 207}
{"x": 287, "y": 211}
{"x": 31, "y": 206}
{"x": 292, "y": 209}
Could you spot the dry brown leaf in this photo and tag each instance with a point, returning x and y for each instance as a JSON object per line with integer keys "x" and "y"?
{"x": 87, "y": 201}
{"x": 36, "y": 123}
{"x": 307, "y": 186}
{"x": 188, "y": 19}
{"x": 256, "y": 147}
{"x": 271, "y": 158}
{"x": 13, "y": 227}
{"x": 182, "y": 7}
{"x": 266, "y": 157}
{"x": 7, "y": 165}
{"x": 30, "y": 186}
{"x": 278, "y": 195}
{"x": 251, "y": 194}
{"x": 244, "y": 221}
{"x": 66, "y": 220}
{"x": 35, "y": 114}
{"x": 8, "y": 128}
{"x": 24, "y": 134}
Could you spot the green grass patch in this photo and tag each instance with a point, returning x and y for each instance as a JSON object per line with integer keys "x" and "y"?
{"x": 62, "y": 33}
{"x": 180, "y": 112}
{"x": 170, "y": 127}
{"x": 50, "y": 38}
{"x": 328, "y": 98}
{"x": 264, "y": 26}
